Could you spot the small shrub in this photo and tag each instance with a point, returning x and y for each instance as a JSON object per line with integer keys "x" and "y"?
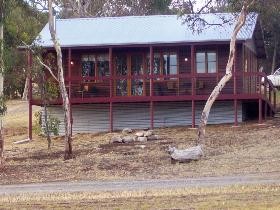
{"x": 53, "y": 123}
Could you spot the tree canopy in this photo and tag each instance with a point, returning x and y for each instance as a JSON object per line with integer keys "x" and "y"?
{"x": 21, "y": 23}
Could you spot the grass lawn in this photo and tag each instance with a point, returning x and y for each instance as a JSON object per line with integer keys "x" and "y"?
{"x": 231, "y": 197}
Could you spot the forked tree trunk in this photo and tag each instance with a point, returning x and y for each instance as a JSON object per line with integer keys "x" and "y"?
{"x": 195, "y": 153}
{"x": 1, "y": 76}
{"x": 66, "y": 103}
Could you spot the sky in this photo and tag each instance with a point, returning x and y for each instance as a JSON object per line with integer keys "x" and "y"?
{"x": 198, "y": 3}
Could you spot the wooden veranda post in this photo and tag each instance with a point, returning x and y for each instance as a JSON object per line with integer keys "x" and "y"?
{"x": 235, "y": 92}
{"x": 29, "y": 63}
{"x": 111, "y": 88}
{"x": 260, "y": 111}
{"x": 151, "y": 87}
{"x": 193, "y": 85}
{"x": 69, "y": 85}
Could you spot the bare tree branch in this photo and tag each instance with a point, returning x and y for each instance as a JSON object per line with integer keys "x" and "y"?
{"x": 204, "y": 7}
{"x": 41, "y": 62}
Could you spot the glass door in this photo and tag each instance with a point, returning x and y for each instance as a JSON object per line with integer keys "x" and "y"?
{"x": 121, "y": 70}
{"x": 137, "y": 84}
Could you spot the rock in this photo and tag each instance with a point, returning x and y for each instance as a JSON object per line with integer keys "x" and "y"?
{"x": 140, "y": 133}
{"x": 142, "y": 139}
{"x": 126, "y": 131}
{"x": 153, "y": 137}
{"x": 127, "y": 139}
{"x": 116, "y": 139}
{"x": 22, "y": 141}
{"x": 148, "y": 133}
{"x": 186, "y": 155}
{"x": 135, "y": 138}
{"x": 140, "y": 146}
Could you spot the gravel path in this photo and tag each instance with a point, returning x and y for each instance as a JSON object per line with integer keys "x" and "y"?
{"x": 124, "y": 185}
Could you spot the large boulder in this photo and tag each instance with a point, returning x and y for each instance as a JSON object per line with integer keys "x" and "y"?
{"x": 148, "y": 133}
{"x": 142, "y": 138}
{"x": 126, "y": 131}
{"x": 140, "y": 133}
{"x": 153, "y": 137}
{"x": 116, "y": 139}
{"x": 127, "y": 139}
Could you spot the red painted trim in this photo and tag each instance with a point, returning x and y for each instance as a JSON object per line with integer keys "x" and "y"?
{"x": 69, "y": 71}
{"x": 131, "y": 99}
{"x": 151, "y": 87}
{"x": 148, "y": 76}
{"x": 274, "y": 100}
{"x": 193, "y": 114}
{"x": 265, "y": 111}
{"x": 151, "y": 115}
{"x": 69, "y": 86}
{"x": 235, "y": 113}
{"x": 193, "y": 69}
{"x": 151, "y": 70}
{"x": 260, "y": 111}
{"x": 111, "y": 118}
{"x": 111, "y": 70}
{"x": 234, "y": 73}
{"x": 29, "y": 61}
{"x": 213, "y": 43}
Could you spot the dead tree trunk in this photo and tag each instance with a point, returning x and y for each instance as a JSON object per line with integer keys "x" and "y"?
{"x": 66, "y": 103}
{"x": 196, "y": 152}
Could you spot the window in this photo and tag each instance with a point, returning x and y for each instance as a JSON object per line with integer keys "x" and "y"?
{"x": 95, "y": 65}
{"x": 169, "y": 64}
{"x": 88, "y": 66}
{"x": 121, "y": 70}
{"x": 206, "y": 62}
{"x": 164, "y": 63}
{"x": 136, "y": 69}
{"x": 103, "y": 65}
{"x": 121, "y": 65}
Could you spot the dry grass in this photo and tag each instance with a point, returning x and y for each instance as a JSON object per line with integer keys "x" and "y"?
{"x": 230, "y": 151}
{"x": 17, "y": 114}
{"x": 249, "y": 149}
{"x": 231, "y": 197}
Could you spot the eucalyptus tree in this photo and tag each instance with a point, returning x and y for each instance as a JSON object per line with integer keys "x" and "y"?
{"x": 48, "y": 6}
{"x": 1, "y": 76}
{"x": 88, "y": 8}
{"x": 195, "y": 21}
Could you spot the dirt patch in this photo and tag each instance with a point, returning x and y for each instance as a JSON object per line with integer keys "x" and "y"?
{"x": 247, "y": 149}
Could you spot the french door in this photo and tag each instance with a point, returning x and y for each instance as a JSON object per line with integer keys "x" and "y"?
{"x": 128, "y": 68}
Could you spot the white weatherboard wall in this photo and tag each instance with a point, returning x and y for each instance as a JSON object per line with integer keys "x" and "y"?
{"x": 89, "y": 118}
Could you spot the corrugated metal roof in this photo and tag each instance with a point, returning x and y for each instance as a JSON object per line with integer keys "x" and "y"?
{"x": 131, "y": 30}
